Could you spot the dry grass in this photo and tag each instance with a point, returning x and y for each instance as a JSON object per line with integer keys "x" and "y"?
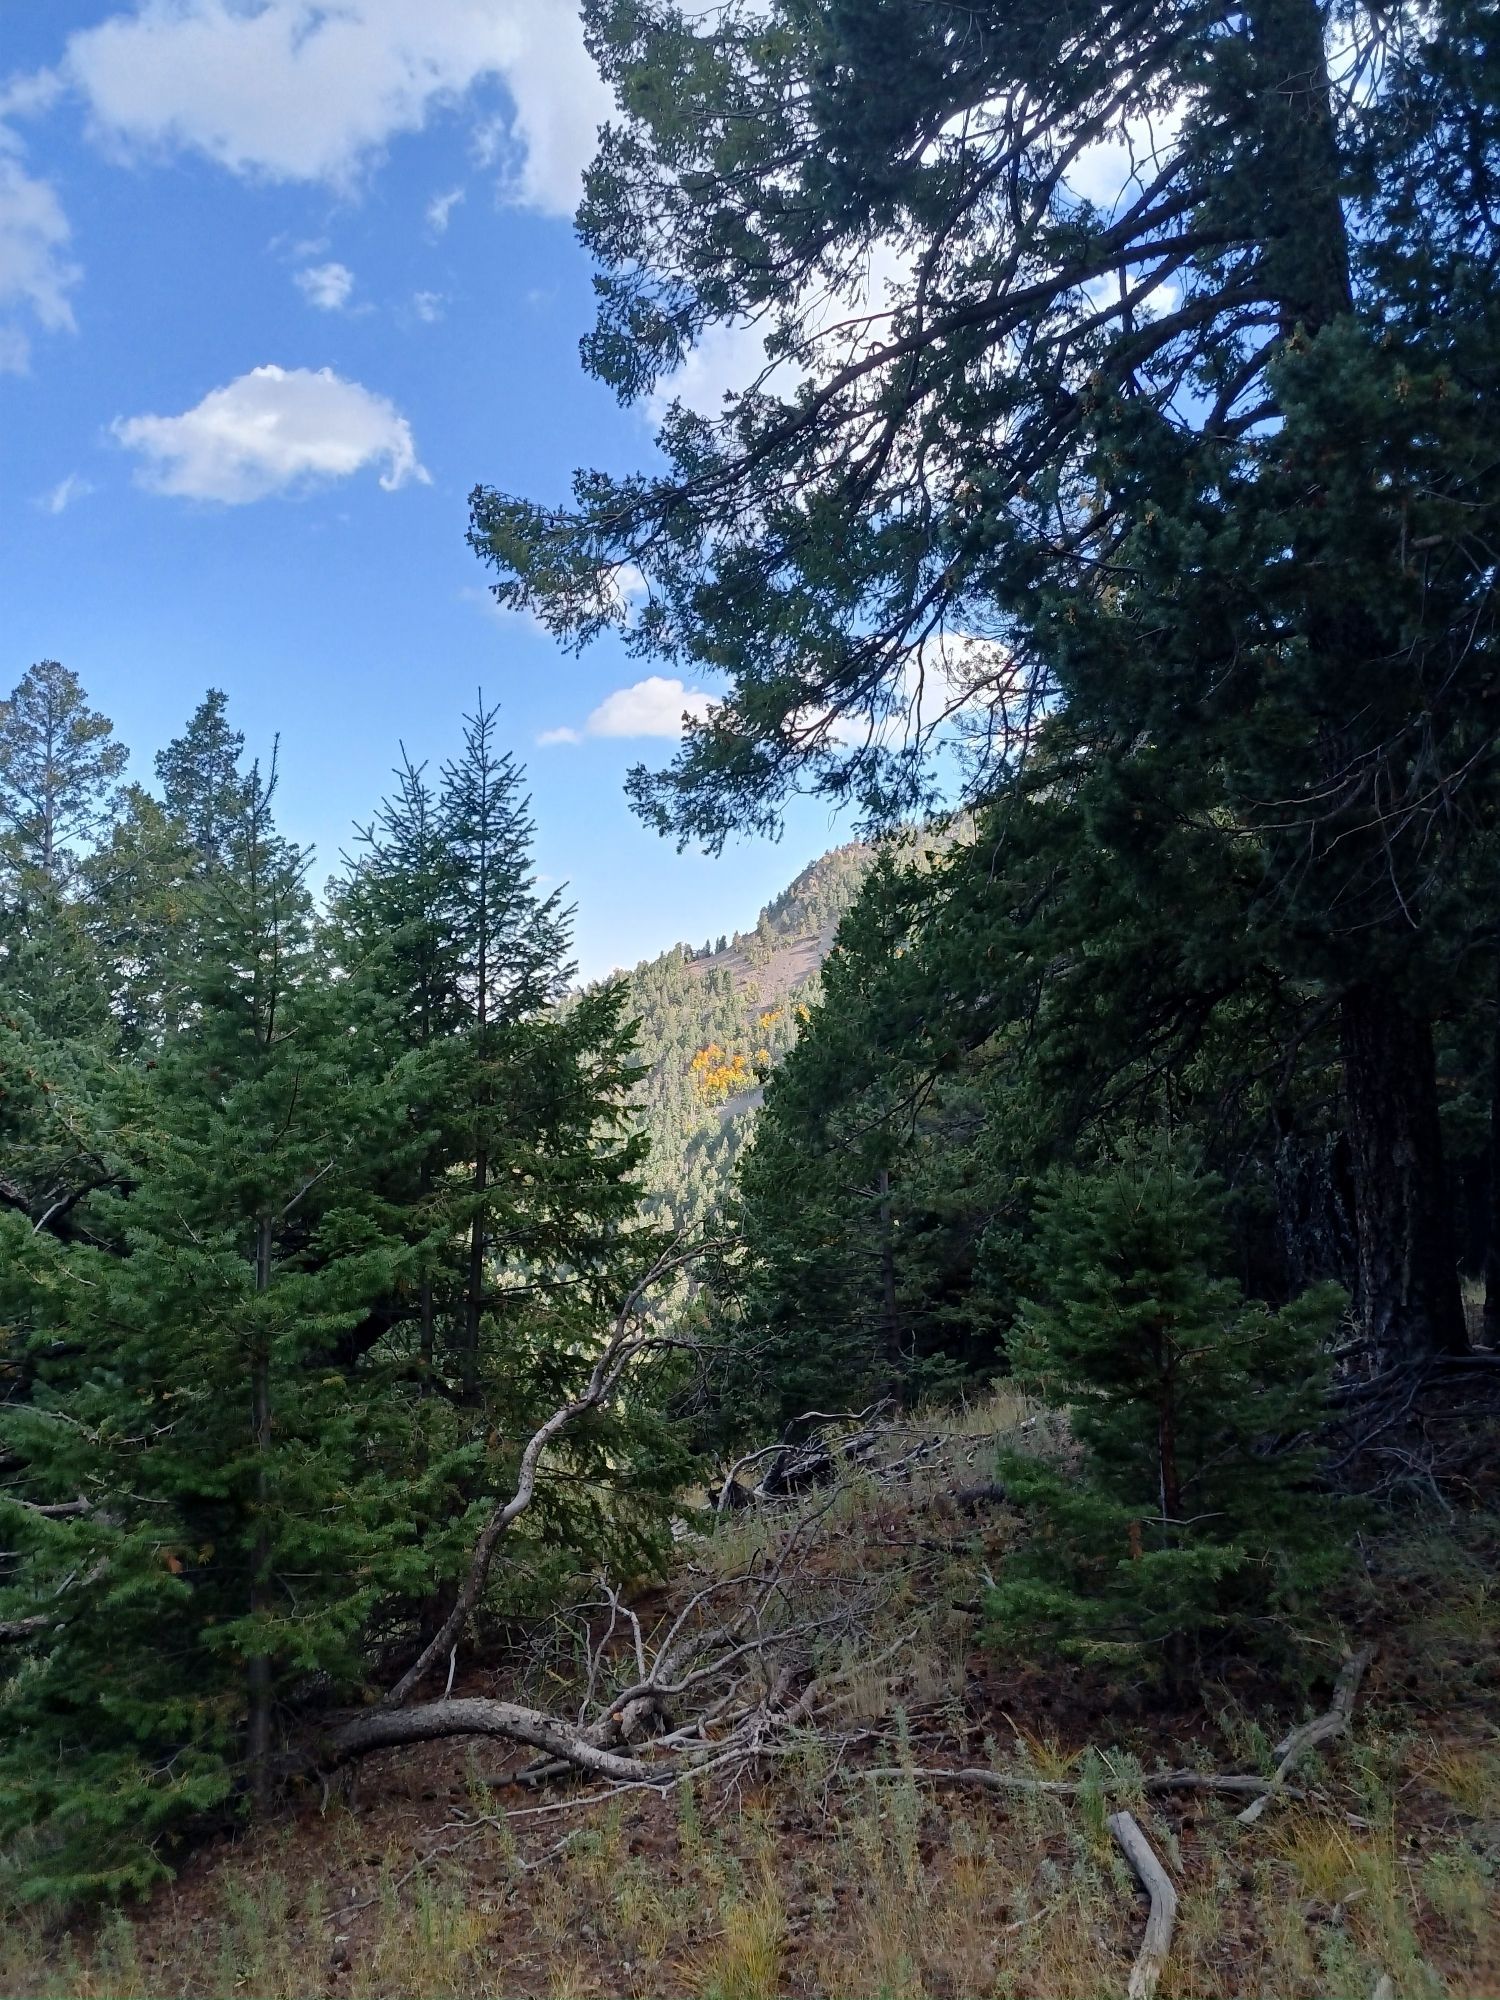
{"x": 812, "y": 1880}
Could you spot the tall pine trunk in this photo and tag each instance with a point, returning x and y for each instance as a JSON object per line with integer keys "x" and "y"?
{"x": 474, "y": 1298}
{"x": 258, "y": 1667}
{"x": 1408, "y": 1292}
{"x": 890, "y": 1309}
{"x": 1492, "y": 1237}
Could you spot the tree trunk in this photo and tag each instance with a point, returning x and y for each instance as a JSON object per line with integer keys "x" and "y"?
{"x": 1169, "y": 1489}
{"x": 428, "y": 1330}
{"x": 1407, "y": 1277}
{"x": 258, "y": 1667}
{"x": 1407, "y": 1294}
{"x": 474, "y": 1301}
{"x": 1314, "y": 1220}
{"x": 889, "y": 1307}
{"x": 1492, "y": 1234}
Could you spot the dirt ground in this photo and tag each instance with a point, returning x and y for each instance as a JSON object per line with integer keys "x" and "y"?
{"x": 435, "y": 1873}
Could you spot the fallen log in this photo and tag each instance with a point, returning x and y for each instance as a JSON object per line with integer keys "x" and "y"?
{"x": 1333, "y": 1722}
{"x": 431, "y": 1721}
{"x": 1157, "y": 1884}
{"x": 14, "y": 1629}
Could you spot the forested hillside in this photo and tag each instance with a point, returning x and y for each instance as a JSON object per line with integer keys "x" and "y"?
{"x": 716, "y": 1019}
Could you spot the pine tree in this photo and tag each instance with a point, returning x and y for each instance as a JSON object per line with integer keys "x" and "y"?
{"x": 58, "y": 769}
{"x": 509, "y": 947}
{"x": 201, "y": 779}
{"x": 513, "y": 1180}
{"x": 137, "y": 906}
{"x": 1191, "y": 1513}
{"x": 393, "y": 916}
{"x": 1197, "y": 464}
{"x": 58, "y": 772}
{"x": 237, "y": 1518}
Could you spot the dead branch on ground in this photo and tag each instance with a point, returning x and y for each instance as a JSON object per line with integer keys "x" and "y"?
{"x": 627, "y": 1343}
{"x": 1333, "y": 1722}
{"x": 1157, "y": 1884}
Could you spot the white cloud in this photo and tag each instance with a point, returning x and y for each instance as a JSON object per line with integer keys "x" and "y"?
{"x": 326, "y": 286}
{"x": 727, "y": 358}
{"x": 273, "y": 430}
{"x": 652, "y": 707}
{"x": 724, "y": 360}
{"x": 440, "y": 209}
{"x": 1127, "y": 159}
{"x": 29, "y": 92}
{"x": 36, "y": 272}
{"x": 427, "y": 306}
{"x": 60, "y": 497}
{"x": 309, "y": 90}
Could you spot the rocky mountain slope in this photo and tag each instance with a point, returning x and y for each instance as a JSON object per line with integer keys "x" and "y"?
{"x": 716, "y": 1018}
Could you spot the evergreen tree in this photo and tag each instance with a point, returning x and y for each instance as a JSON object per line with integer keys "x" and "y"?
{"x": 513, "y": 1179}
{"x": 393, "y": 930}
{"x": 509, "y": 948}
{"x": 1189, "y": 464}
{"x": 1190, "y": 1512}
{"x": 201, "y": 780}
{"x": 137, "y": 905}
{"x": 58, "y": 769}
{"x": 231, "y": 1516}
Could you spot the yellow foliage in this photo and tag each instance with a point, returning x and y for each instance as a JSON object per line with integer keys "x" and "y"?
{"x": 720, "y": 1075}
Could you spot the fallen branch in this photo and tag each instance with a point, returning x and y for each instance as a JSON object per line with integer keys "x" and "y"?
{"x": 24, "y": 1628}
{"x": 622, "y": 1348}
{"x": 1157, "y": 1884}
{"x": 736, "y": 1660}
{"x": 981, "y": 1777}
{"x": 812, "y": 1462}
{"x": 1293, "y": 1748}
{"x": 431, "y": 1721}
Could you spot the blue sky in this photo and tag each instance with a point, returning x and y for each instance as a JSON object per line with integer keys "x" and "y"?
{"x": 280, "y": 281}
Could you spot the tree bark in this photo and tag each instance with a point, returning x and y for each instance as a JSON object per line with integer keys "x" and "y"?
{"x": 1407, "y": 1278}
{"x": 889, "y": 1306}
{"x": 258, "y": 1667}
{"x": 1492, "y": 1234}
{"x": 383, "y": 1728}
{"x": 1408, "y": 1295}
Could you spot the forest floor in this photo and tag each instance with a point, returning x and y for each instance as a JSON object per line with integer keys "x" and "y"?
{"x": 839, "y": 1867}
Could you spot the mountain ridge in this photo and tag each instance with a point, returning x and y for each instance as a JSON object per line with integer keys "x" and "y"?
{"x": 715, "y": 1020}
